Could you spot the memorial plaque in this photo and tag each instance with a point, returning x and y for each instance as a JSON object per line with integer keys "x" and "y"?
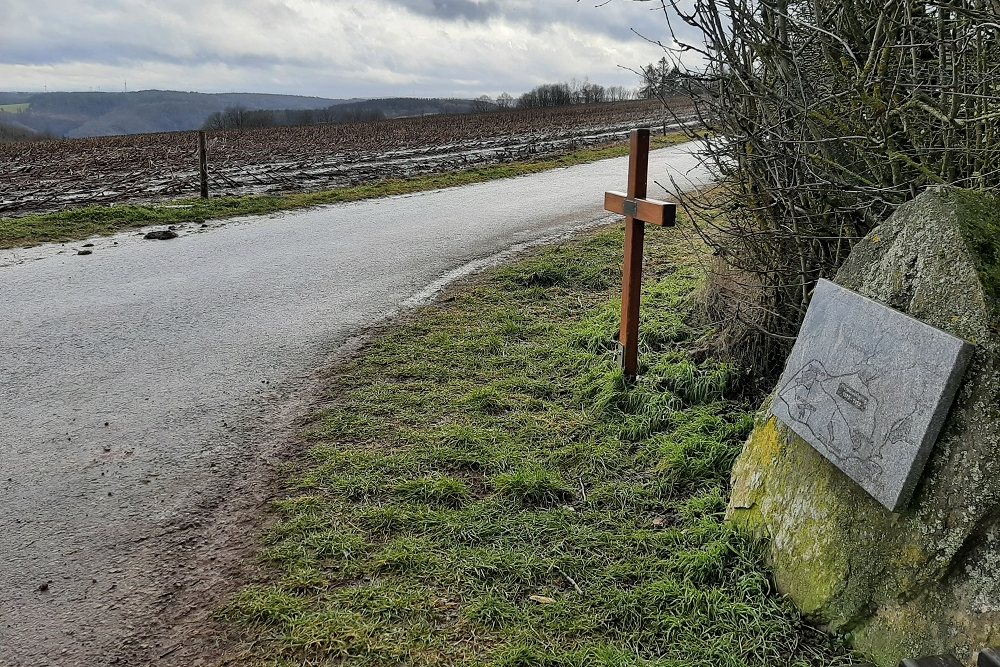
{"x": 869, "y": 388}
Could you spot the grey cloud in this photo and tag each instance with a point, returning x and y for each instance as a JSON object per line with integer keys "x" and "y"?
{"x": 128, "y": 55}
{"x": 616, "y": 18}
{"x": 338, "y": 48}
{"x": 467, "y": 10}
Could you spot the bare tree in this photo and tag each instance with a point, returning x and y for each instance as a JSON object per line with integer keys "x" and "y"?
{"x": 619, "y": 94}
{"x": 482, "y": 104}
{"x": 592, "y": 93}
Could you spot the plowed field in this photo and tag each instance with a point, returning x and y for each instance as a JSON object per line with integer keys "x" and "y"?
{"x": 54, "y": 175}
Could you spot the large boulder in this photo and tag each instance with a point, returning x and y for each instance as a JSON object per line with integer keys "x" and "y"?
{"x": 925, "y": 580}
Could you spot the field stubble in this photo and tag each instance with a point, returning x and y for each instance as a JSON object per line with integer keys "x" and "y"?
{"x": 55, "y": 175}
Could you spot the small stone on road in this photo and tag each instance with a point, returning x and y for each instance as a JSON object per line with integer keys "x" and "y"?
{"x": 161, "y": 235}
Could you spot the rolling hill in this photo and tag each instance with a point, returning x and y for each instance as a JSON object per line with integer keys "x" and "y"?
{"x": 77, "y": 115}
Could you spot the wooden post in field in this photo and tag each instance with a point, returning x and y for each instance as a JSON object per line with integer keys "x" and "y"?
{"x": 203, "y": 163}
{"x": 637, "y": 211}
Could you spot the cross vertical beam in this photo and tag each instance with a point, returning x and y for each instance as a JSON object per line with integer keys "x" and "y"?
{"x": 638, "y": 210}
{"x": 635, "y": 231}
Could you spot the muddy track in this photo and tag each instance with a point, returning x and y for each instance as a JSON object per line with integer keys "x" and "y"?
{"x": 198, "y": 561}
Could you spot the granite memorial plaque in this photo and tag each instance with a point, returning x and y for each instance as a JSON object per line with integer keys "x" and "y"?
{"x": 869, "y": 388}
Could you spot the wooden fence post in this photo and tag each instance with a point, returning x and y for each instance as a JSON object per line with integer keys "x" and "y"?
{"x": 203, "y": 163}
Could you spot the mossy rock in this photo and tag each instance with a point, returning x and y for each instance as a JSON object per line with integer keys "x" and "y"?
{"x": 925, "y": 580}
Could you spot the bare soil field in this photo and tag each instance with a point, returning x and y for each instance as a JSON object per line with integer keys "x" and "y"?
{"x": 54, "y": 175}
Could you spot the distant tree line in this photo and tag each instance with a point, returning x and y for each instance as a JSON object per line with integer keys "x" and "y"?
{"x": 239, "y": 118}
{"x": 546, "y": 95}
{"x": 573, "y": 92}
{"x": 487, "y": 103}
{"x": 555, "y": 95}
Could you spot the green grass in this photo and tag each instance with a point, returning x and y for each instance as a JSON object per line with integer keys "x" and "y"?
{"x": 15, "y": 108}
{"x": 484, "y": 488}
{"x": 98, "y": 220}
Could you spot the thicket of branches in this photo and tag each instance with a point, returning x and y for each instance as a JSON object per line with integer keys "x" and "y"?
{"x": 825, "y": 115}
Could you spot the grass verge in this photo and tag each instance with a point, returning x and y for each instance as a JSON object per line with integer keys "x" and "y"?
{"x": 485, "y": 489}
{"x": 98, "y": 220}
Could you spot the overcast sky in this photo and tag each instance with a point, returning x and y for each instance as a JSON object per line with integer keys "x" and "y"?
{"x": 329, "y": 48}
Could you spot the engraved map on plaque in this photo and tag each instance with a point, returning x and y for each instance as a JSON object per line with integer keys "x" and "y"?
{"x": 869, "y": 388}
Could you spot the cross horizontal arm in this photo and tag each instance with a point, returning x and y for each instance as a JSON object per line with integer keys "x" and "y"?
{"x": 653, "y": 211}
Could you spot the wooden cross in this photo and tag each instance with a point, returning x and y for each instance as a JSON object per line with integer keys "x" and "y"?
{"x": 637, "y": 211}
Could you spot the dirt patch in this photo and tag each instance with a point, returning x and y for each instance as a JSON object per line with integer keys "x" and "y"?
{"x": 200, "y": 560}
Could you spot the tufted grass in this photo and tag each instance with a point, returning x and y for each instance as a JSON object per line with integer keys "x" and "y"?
{"x": 484, "y": 488}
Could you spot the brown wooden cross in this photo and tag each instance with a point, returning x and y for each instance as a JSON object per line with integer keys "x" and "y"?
{"x": 637, "y": 211}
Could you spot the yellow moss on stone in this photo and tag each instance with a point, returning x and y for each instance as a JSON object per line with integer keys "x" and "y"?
{"x": 748, "y": 475}
{"x": 761, "y": 493}
{"x": 803, "y": 515}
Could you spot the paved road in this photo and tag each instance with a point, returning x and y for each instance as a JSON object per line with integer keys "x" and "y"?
{"x": 130, "y": 378}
